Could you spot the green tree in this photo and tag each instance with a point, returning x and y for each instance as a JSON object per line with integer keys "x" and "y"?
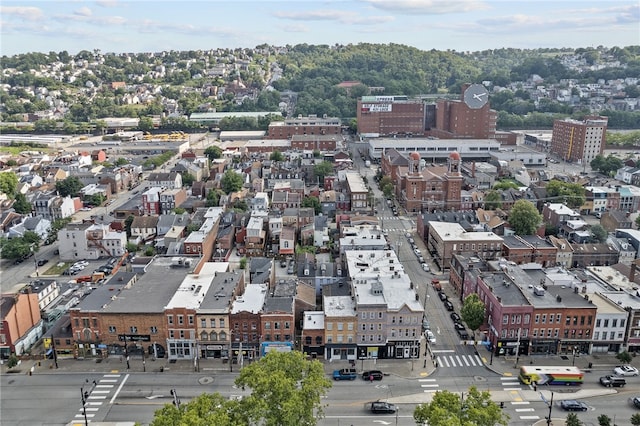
{"x": 213, "y": 152}
{"x": 21, "y": 205}
{"x": 505, "y": 184}
{"x": 472, "y": 312}
{"x": 604, "y": 420}
{"x": 31, "y": 238}
{"x": 311, "y": 201}
{"x": 213, "y": 198}
{"x": 635, "y": 419}
{"x": 95, "y": 199}
{"x": 323, "y": 169}
{"x": 598, "y": 233}
{"x": 286, "y": 389}
{"x": 121, "y": 161}
{"x": 276, "y": 156}
{"x": 606, "y": 165}
{"x": 12, "y": 361}
{"x": 524, "y": 217}
{"x": 231, "y": 181}
{"x": 624, "y": 357}
{"x": 69, "y": 186}
{"x": 127, "y": 225}
{"x": 14, "y": 248}
{"x": 384, "y": 181}
{"x": 450, "y": 409}
{"x": 145, "y": 124}
{"x": 492, "y": 200}
{"x": 8, "y": 183}
{"x": 573, "y": 420}
{"x": 387, "y": 190}
{"x": 572, "y": 194}
{"x": 179, "y": 210}
{"x": 204, "y": 410}
{"x": 188, "y": 179}
{"x": 243, "y": 263}
{"x": 132, "y": 248}
{"x": 638, "y": 221}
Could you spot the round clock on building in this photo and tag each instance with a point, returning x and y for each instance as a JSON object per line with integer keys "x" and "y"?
{"x": 476, "y": 96}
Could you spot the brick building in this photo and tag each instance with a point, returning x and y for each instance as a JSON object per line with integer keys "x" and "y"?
{"x": 21, "y": 325}
{"x": 390, "y": 115}
{"x": 579, "y": 141}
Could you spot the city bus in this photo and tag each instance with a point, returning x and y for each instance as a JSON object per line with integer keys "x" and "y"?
{"x": 569, "y": 376}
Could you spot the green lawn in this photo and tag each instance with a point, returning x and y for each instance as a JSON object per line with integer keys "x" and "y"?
{"x": 57, "y": 270}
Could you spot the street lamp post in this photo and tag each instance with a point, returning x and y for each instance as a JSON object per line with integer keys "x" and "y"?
{"x": 575, "y": 351}
{"x": 84, "y": 395}
{"x": 549, "y": 404}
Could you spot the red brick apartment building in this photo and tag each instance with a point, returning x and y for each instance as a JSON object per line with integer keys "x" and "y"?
{"x": 579, "y": 141}
{"x": 389, "y": 115}
{"x": 311, "y": 125}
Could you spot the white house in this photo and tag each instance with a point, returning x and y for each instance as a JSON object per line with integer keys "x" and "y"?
{"x": 90, "y": 241}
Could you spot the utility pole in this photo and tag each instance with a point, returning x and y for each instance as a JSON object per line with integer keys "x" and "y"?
{"x": 84, "y": 395}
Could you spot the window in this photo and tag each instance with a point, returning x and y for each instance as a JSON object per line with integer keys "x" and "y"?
{"x": 287, "y": 326}
{"x": 606, "y": 323}
{"x": 544, "y": 318}
{"x": 112, "y": 329}
{"x": 535, "y": 332}
{"x": 180, "y": 320}
{"x": 527, "y": 318}
{"x": 204, "y": 336}
{"x": 214, "y": 336}
{"x": 223, "y": 336}
{"x": 276, "y": 325}
{"x": 133, "y": 329}
{"x": 558, "y": 318}
{"x": 190, "y": 317}
{"x": 220, "y": 321}
{"x": 364, "y": 315}
{"x": 537, "y": 320}
{"x": 171, "y": 334}
{"x": 372, "y": 315}
{"x": 153, "y": 329}
{"x": 203, "y": 323}
{"x": 350, "y": 326}
{"x": 170, "y": 319}
{"x": 340, "y": 326}
{"x": 380, "y": 315}
{"x": 505, "y": 319}
{"x": 182, "y": 334}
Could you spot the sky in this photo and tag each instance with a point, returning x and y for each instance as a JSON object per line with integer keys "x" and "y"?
{"x": 462, "y": 25}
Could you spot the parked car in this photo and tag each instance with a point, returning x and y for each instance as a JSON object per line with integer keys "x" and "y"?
{"x": 625, "y": 370}
{"x": 425, "y": 267}
{"x": 379, "y": 407}
{"x": 345, "y": 374}
{"x": 42, "y": 262}
{"x": 573, "y": 405}
{"x": 411, "y": 240}
{"x": 455, "y": 317}
{"x": 430, "y": 336}
{"x": 417, "y": 252}
{"x": 613, "y": 381}
{"x": 18, "y": 261}
{"x": 442, "y": 296}
{"x": 377, "y": 375}
{"x": 283, "y": 263}
{"x": 448, "y": 305}
{"x": 636, "y": 401}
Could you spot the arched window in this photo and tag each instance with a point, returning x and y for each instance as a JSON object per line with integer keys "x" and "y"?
{"x": 318, "y": 340}
{"x": 214, "y": 336}
{"x": 223, "y": 336}
{"x": 204, "y": 336}
{"x": 307, "y": 340}
{"x": 87, "y": 334}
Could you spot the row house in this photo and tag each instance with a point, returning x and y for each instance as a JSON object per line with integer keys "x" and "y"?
{"x": 593, "y": 254}
{"x": 47, "y": 291}
{"x": 319, "y": 142}
{"x": 388, "y": 311}
{"x": 281, "y": 200}
{"x": 121, "y": 178}
{"x": 529, "y": 249}
{"x": 165, "y": 180}
{"x": 340, "y": 324}
{"x": 79, "y": 241}
{"x": 311, "y": 126}
{"x": 609, "y": 332}
{"x": 171, "y": 198}
{"x": 144, "y": 228}
{"x": 557, "y": 214}
{"x": 564, "y": 251}
{"x": 52, "y": 207}
{"x": 151, "y": 201}
{"x": 246, "y": 324}
{"x": 201, "y": 242}
{"x": 255, "y": 239}
{"x": 358, "y": 193}
{"x": 312, "y": 335}
{"x": 532, "y": 320}
{"x": 444, "y": 239}
{"x": 21, "y": 326}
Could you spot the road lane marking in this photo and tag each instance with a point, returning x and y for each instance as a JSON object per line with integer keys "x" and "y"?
{"x": 119, "y": 389}
{"x": 520, "y": 403}
{"x": 108, "y": 381}
{"x": 465, "y": 361}
{"x": 431, "y": 390}
{"x": 443, "y": 351}
{"x": 529, "y": 417}
{"x": 426, "y": 380}
{"x": 104, "y": 386}
{"x": 524, "y": 410}
{"x": 512, "y": 389}
{"x": 97, "y": 397}
{"x": 112, "y": 375}
{"x": 429, "y": 386}
{"x": 508, "y": 378}
{"x": 477, "y": 358}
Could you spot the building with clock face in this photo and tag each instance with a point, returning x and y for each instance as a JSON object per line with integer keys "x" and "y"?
{"x": 471, "y": 117}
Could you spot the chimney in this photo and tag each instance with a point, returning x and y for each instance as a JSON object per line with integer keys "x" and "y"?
{"x": 473, "y": 169}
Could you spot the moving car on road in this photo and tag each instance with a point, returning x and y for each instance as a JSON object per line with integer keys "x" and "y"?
{"x": 345, "y": 374}
{"x": 377, "y": 375}
{"x": 573, "y": 405}
{"x": 636, "y": 401}
{"x": 379, "y": 407}
{"x": 613, "y": 381}
{"x": 430, "y": 336}
{"x": 625, "y": 370}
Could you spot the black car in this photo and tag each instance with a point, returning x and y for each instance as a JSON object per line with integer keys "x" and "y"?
{"x": 41, "y": 262}
{"x": 459, "y": 326}
{"x": 573, "y": 405}
{"x": 377, "y": 375}
{"x": 455, "y": 317}
{"x": 379, "y": 407}
{"x": 636, "y": 401}
{"x": 18, "y": 261}
{"x": 448, "y": 305}
{"x": 442, "y": 296}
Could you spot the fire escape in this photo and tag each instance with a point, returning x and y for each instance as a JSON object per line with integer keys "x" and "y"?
{"x": 94, "y": 240}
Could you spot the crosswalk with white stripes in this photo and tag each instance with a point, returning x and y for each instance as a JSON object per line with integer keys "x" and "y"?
{"x": 453, "y": 360}
{"x": 97, "y": 396}
{"x": 524, "y": 412}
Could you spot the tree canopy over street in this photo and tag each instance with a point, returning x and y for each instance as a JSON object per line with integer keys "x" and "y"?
{"x": 473, "y": 311}
{"x": 474, "y": 408}
{"x": 286, "y": 390}
{"x": 606, "y": 165}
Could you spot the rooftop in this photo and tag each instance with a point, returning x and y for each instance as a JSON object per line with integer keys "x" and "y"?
{"x": 252, "y": 300}
{"x": 313, "y": 320}
{"x": 339, "y": 306}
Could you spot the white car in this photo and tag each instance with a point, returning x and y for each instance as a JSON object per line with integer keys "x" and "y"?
{"x": 430, "y": 336}
{"x": 625, "y": 370}
{"x": 425, "y": 267}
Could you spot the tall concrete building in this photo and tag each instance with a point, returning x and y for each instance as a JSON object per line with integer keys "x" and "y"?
{"x": 579, "y": 141}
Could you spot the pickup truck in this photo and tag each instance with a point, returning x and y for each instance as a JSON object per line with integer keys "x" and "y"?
{"x": 345, "y": 374}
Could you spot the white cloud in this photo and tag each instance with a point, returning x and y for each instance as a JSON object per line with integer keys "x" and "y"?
{"x": 83, "y": 11}
{"x": 27, "y": 13}
{"x": 107, "y": 3}
{"x": 428, "y": 7}
{"x": 347, "y": 18}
